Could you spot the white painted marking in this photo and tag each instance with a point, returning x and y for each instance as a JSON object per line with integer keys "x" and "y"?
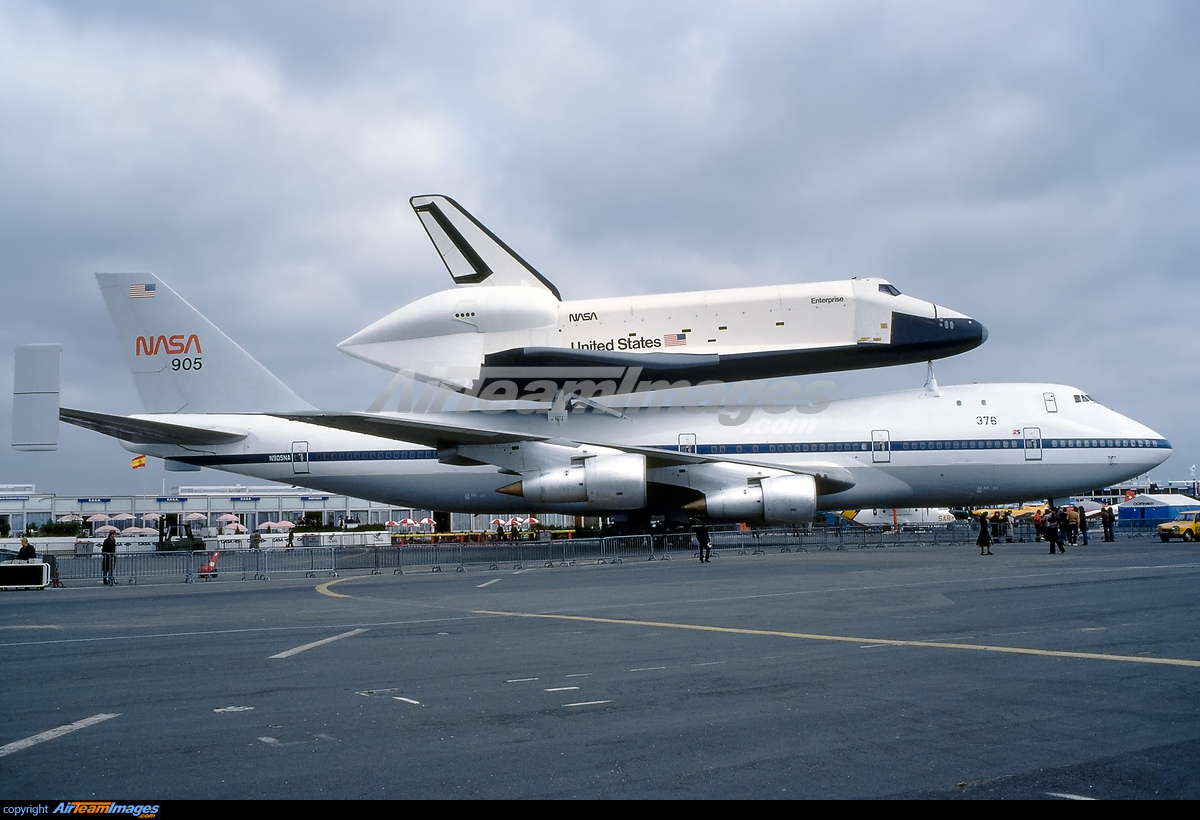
{"x": 315, "y": 644}
{"x": 32, "y": 626}
{"x": 234, "y": 709}
{"x": 647, "y": 668}
{"x": 872, "y": 645}
{"x": 586, "y": 703}
{"x": 18, "y": 745}
{"x": 580, "y": 675}
{"x": 520, "y": 680}
{"x": 408, "y": 700}
{"x": 269, "y": 741}
{"x": 366, "y": 693}
{"x": 486, "y": 583}
{"x": 1065, "y": 796}
{"x": 562, "y": 689}
{"x": 710, "y": 663}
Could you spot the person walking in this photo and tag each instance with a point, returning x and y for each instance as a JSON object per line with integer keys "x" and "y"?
{"x": 108, "y": 559}
{"x": 1083, "y": 524}
{"x": 1009, "y": 527}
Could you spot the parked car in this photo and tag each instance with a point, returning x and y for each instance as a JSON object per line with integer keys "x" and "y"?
{"x": 1186, "y": 526}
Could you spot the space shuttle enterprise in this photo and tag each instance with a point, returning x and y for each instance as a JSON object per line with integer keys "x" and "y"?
{"x": 505, "y": 320}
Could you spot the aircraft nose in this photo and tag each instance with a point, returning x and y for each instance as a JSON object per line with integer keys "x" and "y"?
{"x": 936, "y": 337}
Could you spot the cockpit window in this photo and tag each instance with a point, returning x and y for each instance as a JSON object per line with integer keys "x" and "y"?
{"x": 890, "y": 290}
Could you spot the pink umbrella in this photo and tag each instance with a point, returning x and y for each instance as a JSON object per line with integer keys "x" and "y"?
{"x": 106, "y": 529}
{"x": 131, "y": 531}
{"x": 97, "y": 518}
{"x": 283, "y": 525}
{"x": 69, "y": 517}
{"x": 227, "y": 518}
{"x": 151, "y": 516}
{"x": 195, "y": 517}
{"x": 266, "y": 525}
{"x": 234, "y": 528}
{"x": 123, "y": 517}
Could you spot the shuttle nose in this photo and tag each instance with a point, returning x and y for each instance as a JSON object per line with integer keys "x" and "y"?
{"x": 947, "y": 335}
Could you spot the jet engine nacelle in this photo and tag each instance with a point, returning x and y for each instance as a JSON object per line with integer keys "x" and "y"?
{"x": 615, "y": 482}
{"x": 790, "y": 499}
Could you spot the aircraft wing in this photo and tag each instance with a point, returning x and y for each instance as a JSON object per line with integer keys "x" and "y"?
{"x": 142, "y": 431}
{"x": 417, "y": 431}
{"x": 830, "y": 477}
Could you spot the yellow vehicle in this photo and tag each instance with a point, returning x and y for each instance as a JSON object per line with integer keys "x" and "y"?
{"x": 1186, "y": 526}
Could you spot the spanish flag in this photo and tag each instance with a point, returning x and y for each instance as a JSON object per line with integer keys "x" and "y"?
{"x": 140, "y": 461}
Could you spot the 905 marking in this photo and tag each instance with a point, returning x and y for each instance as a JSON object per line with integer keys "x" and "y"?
{"x": 187, "y": 364}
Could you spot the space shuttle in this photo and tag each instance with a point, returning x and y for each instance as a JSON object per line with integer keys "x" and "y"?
{"x": 504, "y": 320}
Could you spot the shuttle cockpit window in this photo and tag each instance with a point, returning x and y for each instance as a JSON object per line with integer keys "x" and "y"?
{"x": 890, "y": 290}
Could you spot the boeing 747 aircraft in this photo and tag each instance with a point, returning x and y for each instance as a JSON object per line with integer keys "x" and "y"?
{"x": 210, "y": 404}
{"x": 505, "y": 321}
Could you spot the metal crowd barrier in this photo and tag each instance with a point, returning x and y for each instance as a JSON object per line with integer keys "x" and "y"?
{"x": 263, "y": 564}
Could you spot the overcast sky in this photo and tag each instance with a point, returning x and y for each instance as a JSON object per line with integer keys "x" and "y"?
{"x": 1034, "y": 165}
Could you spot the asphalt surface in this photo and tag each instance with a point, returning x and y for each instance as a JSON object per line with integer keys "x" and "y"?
{"x": 901, "y": 672}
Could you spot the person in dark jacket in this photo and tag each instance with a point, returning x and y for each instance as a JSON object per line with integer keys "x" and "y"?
{"x": 1053, "y": 523}
{"x": 705, "y": 544}
{"x": 108, "y": 558}
{"x": 984, "y": 541}
{"x": 1108, "y": 518}
{"x": 27, "y": 551}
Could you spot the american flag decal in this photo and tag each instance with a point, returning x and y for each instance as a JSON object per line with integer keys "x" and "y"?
{"x": 675, "y": 339}
{"x": 141, "y": 291}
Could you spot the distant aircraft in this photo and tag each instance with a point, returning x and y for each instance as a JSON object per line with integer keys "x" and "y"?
{"x": 897, "y": 516}
{"x": 505, "y": 321}
{"x": 210, "y": 404}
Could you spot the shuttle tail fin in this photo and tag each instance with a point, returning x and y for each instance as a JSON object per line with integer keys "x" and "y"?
{"x": 473, "y": 254}
{"x": 181, "y": 362}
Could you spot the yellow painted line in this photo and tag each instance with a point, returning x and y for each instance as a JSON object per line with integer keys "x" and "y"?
{"x": 324, "y": 588}
{"x": 807, "y": 636}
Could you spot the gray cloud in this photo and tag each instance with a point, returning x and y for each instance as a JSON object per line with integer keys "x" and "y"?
{"x": 1036, "y": 167}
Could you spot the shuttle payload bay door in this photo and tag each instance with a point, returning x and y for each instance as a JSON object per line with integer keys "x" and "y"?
{"x": 299, "y": 457}
{"x": 881, "y": 447}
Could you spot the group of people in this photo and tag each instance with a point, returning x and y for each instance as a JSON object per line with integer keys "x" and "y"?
{"x": 1055, "y": 526}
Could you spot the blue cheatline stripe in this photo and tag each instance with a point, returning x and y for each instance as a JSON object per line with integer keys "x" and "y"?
{"x": 344, "y": 456}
